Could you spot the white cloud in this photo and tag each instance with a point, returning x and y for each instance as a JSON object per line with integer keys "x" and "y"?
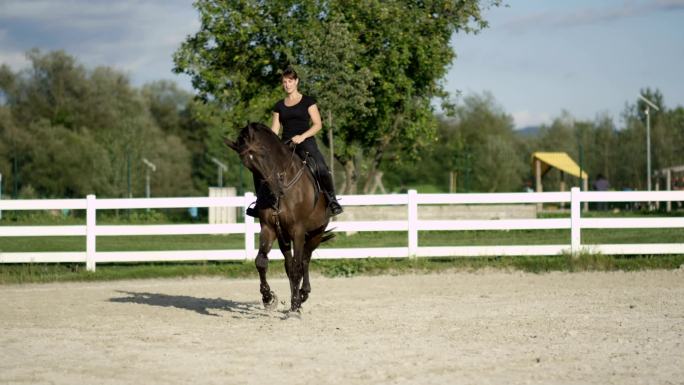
{"x": 526, "y": 118}
{"x": 16, "y": 60}
{"x": 590, "y": 16}
{"x": 137, "y": 37}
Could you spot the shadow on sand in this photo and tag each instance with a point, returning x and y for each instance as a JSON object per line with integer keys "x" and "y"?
{"x": 204, "y": 306}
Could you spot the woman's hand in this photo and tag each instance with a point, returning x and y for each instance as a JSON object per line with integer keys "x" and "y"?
{"x": 298, "y": 139}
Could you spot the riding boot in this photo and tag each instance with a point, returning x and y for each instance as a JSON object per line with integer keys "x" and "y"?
{"x": 264, "y": 197}
{"x": 252, "y": 210}
{"x": 328, "y": 188}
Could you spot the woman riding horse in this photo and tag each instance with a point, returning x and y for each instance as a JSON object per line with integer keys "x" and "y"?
{"x": 293, "y": 114}
{"x": 298, "y": 216}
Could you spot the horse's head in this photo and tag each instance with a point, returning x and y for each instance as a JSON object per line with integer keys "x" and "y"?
{"x": 258, "y": 148}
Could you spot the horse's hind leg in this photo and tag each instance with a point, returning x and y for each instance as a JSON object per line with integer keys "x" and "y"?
{"x": 310, "y": 245}
{"x": 266, "y": 238}
{"x": 306, "y": 285}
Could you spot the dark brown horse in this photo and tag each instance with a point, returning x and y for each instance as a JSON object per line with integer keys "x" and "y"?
{"x": 297, "y": 215}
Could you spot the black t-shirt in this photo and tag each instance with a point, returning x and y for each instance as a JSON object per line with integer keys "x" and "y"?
{"x": 294, "y": 119}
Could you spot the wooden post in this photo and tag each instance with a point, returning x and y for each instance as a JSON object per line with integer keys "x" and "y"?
{"x": 657, "y": 188}
{"x": 537, "y": 177}
{"x": 412, "y": 223}
{"x": 585, "y": 181}
{"x": 669, "y": 187}
{"x": 452, "y": 181}
{"x": 91, "y": 215}
{"x": 562, "y": 187}
{"x": 575, "y": 234}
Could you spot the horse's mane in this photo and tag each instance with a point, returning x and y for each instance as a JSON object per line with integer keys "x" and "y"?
{"x": 262, "y": 142}
{"x": 260, "y": 138}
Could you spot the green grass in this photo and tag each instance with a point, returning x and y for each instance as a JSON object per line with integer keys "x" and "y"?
{"x": 42, "y": 273}
{"x": 364, "y": 239}
{"x": 123, "y": 243}
{"x": 22, "y": 273}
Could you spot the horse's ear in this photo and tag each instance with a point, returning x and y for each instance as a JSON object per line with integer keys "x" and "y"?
{"x": 231, "y": 144}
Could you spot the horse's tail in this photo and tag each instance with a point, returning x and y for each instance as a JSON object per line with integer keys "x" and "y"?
{"x": 327, "y": 235}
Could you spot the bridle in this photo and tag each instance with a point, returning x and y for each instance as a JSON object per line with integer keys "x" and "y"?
{"x": 280, "y": 178}
{"x": 282, "y": 182}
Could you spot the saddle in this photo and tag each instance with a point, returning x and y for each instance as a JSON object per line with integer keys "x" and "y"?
{"x": 266, "y": 197}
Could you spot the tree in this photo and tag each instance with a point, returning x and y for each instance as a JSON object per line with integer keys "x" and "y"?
{"x": 674, "y": 123}
{"x": 600, "y": 148}
{"x": 631, "y": 169}
{"x": 167, "y": 105}
{"x": 406, "y": 46}
{"x": 51, "y": 89}
{"x": 478, "y": 143}
{"x": 69, "y": 132}
{"x": 342, "y": 88}
{"x": 11, "y": 138}
{"x": 398, "y": 51}
{"x": 60, "y": 162}
{"x": 496, "y": 162}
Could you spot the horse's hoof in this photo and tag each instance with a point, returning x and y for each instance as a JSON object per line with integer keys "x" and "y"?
{"x": 272, "y": 304}
{"x": 305, "y": 296}
{"x": 296, "y": 307}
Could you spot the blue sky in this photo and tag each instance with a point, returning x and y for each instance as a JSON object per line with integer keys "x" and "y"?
{"x": 537, "y": 58}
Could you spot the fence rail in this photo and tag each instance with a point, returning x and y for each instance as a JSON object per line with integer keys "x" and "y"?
{"x": 412, "y": 225}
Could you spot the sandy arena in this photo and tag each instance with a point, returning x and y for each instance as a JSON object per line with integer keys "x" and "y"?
{"x": 452, "y": 328}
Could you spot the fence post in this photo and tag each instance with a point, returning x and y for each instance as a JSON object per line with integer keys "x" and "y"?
{"x": 575, "y": 230}
{"x": 412, "y": 223}
{"x": 90, "y": 232}
{"x": 249, "y": 234}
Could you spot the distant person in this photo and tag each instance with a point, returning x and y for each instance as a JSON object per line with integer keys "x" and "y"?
{"x": 678, "y": 184}
{"x": 528, "y": 186}
{"x": 601, "y": 184}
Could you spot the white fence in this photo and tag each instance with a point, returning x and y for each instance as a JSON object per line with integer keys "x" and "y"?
{"x": 413, "y": 225}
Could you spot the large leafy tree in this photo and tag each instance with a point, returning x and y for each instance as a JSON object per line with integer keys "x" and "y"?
{"x": 619, "y": 153}
{"x": 478, "y": 144}
{"x": 67, "y": 132}
{"x": 406, "y": 46}
{"x": 342, "y": 87}
{"x": 494, "y": 159}
{"x": 665, "y": 152}
{"x": 375, "y": 65}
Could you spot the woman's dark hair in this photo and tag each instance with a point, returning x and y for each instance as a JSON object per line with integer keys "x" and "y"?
{"x": 290, "y": 73}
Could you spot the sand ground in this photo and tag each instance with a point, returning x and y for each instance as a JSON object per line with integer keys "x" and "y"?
{"x": 452, "y": 328}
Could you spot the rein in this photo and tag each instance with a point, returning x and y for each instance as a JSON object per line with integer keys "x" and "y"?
{"x": 284, "y": 186}
{"x": 280, "y": 184}
{"x": 281, "y": 175}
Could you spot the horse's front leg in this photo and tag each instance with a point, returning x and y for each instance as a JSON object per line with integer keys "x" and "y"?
{"x": 285, "y": 246}
{"x": 296, "y": 271}
{"x": 266, "y": 238}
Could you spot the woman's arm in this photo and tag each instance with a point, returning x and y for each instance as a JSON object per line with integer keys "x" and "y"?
{"x": 275, "y": 123}
{"x": 316, "y": 125}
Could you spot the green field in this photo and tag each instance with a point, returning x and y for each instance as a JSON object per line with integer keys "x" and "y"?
{"x": 363, "y": 239}
{"x": 38, "y": 273}
{"x": 10, "y": 273}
